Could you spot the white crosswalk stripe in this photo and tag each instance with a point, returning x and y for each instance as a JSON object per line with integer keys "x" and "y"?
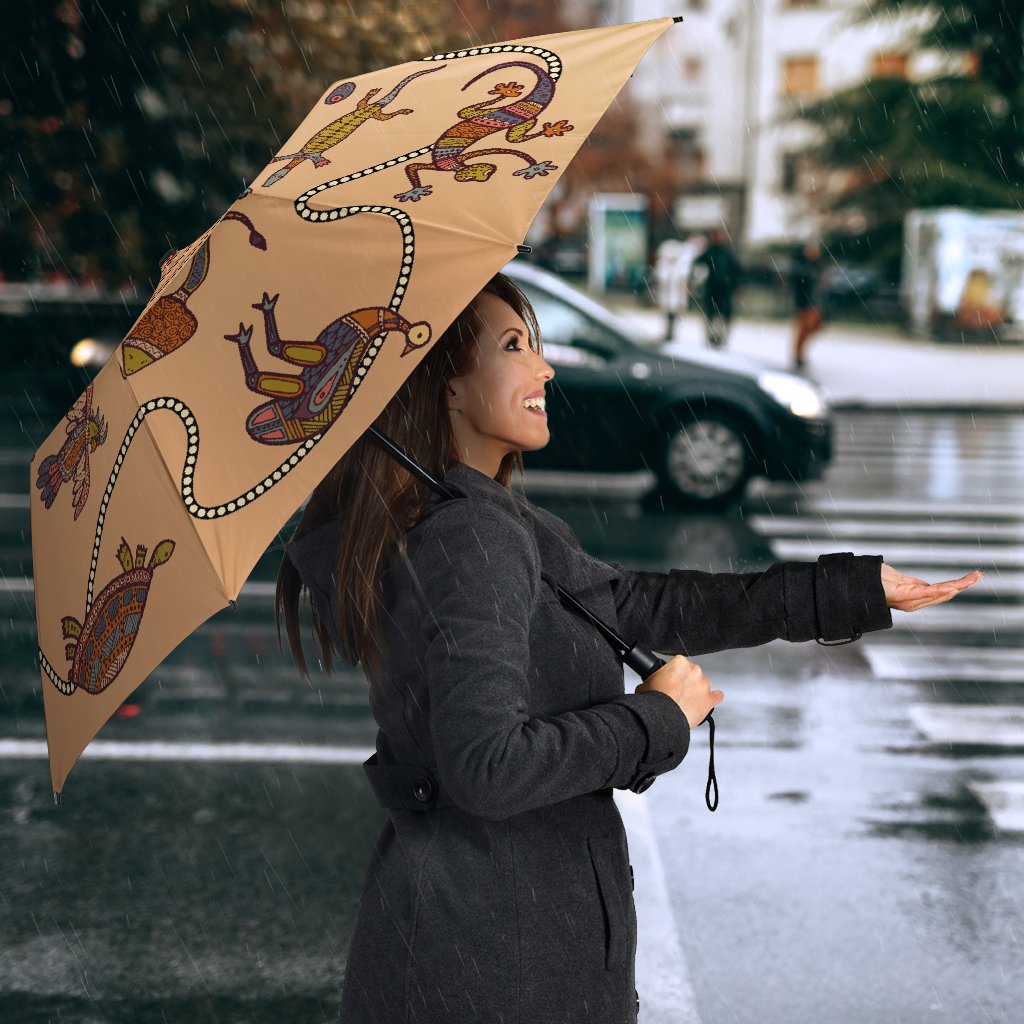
{"x": 983, "y": 725}
{"x": 935, "y": 663}
{"x": 938, "y": 504}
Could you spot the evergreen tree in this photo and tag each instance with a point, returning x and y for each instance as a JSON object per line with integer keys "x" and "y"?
{"x": 956, "y": 138}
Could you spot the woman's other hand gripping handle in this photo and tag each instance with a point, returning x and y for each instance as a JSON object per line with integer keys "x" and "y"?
{"x": 687, "y": 685}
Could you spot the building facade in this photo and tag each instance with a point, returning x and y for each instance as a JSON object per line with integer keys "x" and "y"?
{"x": 725, "y": 85}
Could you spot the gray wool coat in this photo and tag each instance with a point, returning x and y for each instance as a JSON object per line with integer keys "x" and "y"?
{"x": 500, "y": 888}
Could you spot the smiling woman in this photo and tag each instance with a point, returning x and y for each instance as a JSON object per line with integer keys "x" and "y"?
{"x": 499, "y": 406}
{"x": 500, "y": 886}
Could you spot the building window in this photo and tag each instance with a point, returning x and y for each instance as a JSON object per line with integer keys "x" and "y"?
{"x": 687, "y": 152}
{"x": 693, "y": 69}
{"x": 800, "y": 76}
{"x": 790, "y": 173}
{"x": 889, "y": 64}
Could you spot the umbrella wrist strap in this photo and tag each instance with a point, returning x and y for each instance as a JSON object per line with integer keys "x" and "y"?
{"x": 712, "y": 779}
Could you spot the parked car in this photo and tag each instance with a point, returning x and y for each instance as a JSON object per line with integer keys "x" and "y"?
{"x": 704, "y": 423}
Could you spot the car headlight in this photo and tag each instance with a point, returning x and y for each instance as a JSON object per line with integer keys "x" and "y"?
{"x": 799, "y": 397}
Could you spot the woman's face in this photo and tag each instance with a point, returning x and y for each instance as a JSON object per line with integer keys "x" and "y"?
{"x": 488, "y": 416}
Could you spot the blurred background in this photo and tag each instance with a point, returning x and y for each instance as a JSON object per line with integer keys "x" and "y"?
{"x": 864, "y": 160}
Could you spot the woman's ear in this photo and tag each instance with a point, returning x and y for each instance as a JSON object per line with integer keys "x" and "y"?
{"x": 452, "y": 398}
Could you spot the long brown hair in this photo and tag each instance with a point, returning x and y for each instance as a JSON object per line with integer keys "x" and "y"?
{"x": 369, "y": 486}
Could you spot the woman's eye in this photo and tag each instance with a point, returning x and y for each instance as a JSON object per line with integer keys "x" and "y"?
{"x": 514, "y": 343}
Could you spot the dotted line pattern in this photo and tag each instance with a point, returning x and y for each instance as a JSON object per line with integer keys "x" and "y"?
{"x": 63, "y": 685}
{"x": 553, "y": 60}
{"x": 340, "y": 213}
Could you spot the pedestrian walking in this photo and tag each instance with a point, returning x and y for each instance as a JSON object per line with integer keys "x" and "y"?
{"x": 500, "y": 887}
{"x": 803, "y": 280}
{"x": 721, "y": 272}
{"x": 672, "y": 267}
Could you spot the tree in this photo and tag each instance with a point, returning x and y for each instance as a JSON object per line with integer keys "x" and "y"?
{"x": 131, "y": 125}
{"x": 889, "y": 145}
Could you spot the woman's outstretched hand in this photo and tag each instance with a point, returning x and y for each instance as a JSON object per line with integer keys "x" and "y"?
{"x": 908, "y": 593}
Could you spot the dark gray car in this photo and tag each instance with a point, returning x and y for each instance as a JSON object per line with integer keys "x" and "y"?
{"x": 704, "y": 424}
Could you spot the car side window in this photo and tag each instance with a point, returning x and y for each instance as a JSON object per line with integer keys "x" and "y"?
{"x": 565, "y": 327}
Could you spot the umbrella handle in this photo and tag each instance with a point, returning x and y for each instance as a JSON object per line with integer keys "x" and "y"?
{"x": 645, "y": 663}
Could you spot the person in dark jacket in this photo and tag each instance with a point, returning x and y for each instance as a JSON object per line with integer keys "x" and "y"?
{"x": 500, "y": 886}
{"x": 803, "y": 280}
{"x": 721, "y": 271}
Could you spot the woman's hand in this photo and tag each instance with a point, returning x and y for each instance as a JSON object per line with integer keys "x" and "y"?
{"x": 687, "y": 685}
{"x": 908, "y": 593}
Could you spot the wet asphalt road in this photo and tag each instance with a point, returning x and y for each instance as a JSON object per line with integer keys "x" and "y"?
{"x": 861, "y": 866}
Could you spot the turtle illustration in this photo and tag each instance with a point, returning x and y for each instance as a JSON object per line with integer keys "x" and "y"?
{"x": 99, "y": 648}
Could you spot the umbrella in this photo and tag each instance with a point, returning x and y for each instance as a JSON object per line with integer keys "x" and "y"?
{"x": 276, "y": 338}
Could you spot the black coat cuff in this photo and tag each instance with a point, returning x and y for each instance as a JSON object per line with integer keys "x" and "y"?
{"x": 849, "y": 597}
{"x": 668, "y": 735}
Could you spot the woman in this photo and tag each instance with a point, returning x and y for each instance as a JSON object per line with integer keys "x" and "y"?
{"x": 803, "y": 280}
{"x": 500, "y": 886}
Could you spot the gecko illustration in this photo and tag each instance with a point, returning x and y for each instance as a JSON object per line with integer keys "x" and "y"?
{"x": 480, "y": 120}
{"x": 338, "y": 131}
{"x": 335, "y": 362}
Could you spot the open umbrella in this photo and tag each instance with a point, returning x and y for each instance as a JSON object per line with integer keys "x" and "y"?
{"x": 277, "y": 337}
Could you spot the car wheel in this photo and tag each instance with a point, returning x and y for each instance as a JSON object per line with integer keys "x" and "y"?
{"x": 705, "y": 461}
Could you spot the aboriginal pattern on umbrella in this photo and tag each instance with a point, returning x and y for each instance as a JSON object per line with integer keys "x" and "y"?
{"x": 86, "y": 430}
{"x": 338, "y": 131}
{"x": 329, "y": 367}
{"x": 168, "y": 323}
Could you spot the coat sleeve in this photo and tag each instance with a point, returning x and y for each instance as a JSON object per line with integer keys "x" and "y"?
{"x": 477, "y": 569}
{"x": 839, "y": 597}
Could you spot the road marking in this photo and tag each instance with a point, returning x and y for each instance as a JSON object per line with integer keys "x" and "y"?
{"x": 1004, "y": 802}
{"x": 952, "y": 664}
{"x": 964, "y": 617}
{"x": 970, "y": 725}
{"x": 907, "y": 529}
{"x": 662, "y": 974}
{"x": 116, "y": 750}
{"x": 912, "y": 507}
{"x": 552, "y": 481}
{"x": 971, "y": 556}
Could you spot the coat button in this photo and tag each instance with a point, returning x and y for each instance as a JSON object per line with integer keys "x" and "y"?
{"x": 643, "y": 783}
{"x": 423, "y": 789}
{"x": 637, "y": 994}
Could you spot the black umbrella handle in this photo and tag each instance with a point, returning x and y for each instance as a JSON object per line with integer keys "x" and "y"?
{"x": 645, "y": 663}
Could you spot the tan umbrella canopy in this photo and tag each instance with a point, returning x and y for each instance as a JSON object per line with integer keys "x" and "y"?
{"x": 276, "y": 338}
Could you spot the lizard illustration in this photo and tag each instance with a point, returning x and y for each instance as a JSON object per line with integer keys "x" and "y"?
{"x": 338, "y": 131}
{"x": 333, "y": 364}
{"x": 480, "y": 120}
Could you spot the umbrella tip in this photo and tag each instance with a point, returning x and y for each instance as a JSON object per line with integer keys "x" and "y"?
{"x": 234, "y": 604}
{"x": 521, "y": 249}
{"x": 56, "y": 798}
{"x": 678, "y": 18}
